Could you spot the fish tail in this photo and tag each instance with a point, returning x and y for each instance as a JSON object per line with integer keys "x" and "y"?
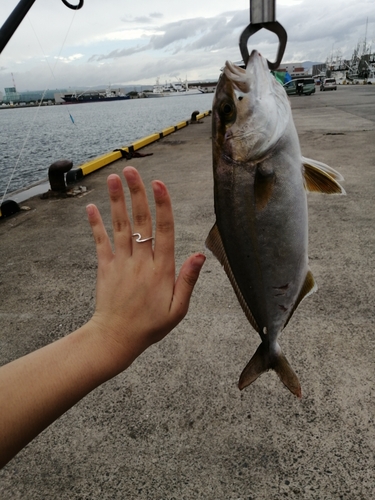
{"x": 263, "y": 361}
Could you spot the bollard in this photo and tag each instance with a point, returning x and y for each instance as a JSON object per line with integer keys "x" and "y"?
{"x": 194, "y": 115}
{"x": 56, "y": 174}
{"x": 74, "y": 175}
{"x": 8, "y": 208}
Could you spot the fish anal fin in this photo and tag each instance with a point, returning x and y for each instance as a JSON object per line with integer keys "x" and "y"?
{"x": 215, "y": 244}
{"x": 262, "y": 361}
{"x": 309, "y": 287}
{"x": 319, "y": 179}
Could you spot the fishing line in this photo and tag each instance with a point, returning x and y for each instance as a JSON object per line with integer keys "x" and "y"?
{"x": 41, "y": 101}
{"x": 57, "y": 60}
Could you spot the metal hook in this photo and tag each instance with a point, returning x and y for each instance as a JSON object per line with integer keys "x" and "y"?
{"x": 74, "y": 7}
{"x": 276, "y": 28}
{"x": 16, "y": 17}
{"x": 263, "y": 15}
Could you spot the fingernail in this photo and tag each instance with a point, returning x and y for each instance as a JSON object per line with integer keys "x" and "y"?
{"x": 112, "y": 183}
{"x": 90, "y": 209}
{"x": 130, "y": 174}
{"x": 198, "y": 261}
{"x": 159, "y": 188}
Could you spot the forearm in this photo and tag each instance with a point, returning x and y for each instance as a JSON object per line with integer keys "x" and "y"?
{"x": 139, "y": 301}
{"x": 38, "y": 388}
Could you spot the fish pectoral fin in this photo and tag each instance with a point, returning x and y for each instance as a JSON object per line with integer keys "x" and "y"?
{"x": 262, "y": 361}
{"x": 321, "y": 178}
{"x": 215, "y": 244}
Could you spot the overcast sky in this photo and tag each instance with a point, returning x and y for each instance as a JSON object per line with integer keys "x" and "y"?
{"x": 122, "y": 42}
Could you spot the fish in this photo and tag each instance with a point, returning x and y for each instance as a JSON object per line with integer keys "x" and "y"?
{"x": 261, "y": 181}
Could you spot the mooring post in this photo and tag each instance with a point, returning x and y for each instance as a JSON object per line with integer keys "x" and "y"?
{"x": 193, "y": 118}
{"x": 56, "y": 174}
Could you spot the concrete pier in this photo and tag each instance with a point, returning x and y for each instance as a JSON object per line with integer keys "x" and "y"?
{"x": 175, "y": 425}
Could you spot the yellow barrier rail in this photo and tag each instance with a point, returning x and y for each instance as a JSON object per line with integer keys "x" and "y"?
{"x": 108, "y": 158}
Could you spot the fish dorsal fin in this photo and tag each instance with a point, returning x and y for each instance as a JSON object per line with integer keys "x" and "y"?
{"x": 309, "y": 286}
{"x": 215, "y": 244}
{"x": 321, "y": 178}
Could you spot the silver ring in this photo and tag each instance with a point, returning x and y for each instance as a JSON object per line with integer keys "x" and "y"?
{"x": 139, "y": 238}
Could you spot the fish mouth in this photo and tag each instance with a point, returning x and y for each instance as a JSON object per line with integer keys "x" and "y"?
{"x": 256, "y": 76}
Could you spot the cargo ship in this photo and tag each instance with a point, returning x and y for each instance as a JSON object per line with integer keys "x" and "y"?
{"x": 95, "y": 96}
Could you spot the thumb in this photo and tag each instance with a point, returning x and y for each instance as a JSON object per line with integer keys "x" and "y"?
{"x": 184, "y": 285}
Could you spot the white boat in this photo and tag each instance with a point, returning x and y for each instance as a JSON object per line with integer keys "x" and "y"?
{"x": 359, "y": 69}
{"x": 173, "y": 90}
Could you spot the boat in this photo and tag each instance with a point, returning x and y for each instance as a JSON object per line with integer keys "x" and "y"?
{"x": 360, "y": 68}
{"x": 95, "y": 96}
{"x": 175, "y": 89}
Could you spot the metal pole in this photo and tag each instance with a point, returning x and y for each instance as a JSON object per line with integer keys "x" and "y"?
{"x": 262, "y": 11}
{"x": 13, "y": 21}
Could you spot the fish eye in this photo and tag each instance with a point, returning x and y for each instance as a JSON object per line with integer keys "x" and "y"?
{"x": 228, "y": 111}
{"x": 227, "y": 108}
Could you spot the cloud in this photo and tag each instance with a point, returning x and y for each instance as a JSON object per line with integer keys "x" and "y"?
{"x": 143, "y": 19}
{"x": 69, "y": 59}
{"x": 180, "y": 30}
{"x": 115, "y": 54}
{"x": 313, "y": 36}
{"x": 187, "y": 34}
{"x": 134, "y": 34}
{"x": 156, "y": 15}
{"x": 170, "y": 38}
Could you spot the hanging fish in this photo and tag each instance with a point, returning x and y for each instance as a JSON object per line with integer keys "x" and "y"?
{"x": 261, "y": 230}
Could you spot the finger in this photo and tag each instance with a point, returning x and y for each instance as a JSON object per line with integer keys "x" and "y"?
{"x": 103, "y": 246}
{"x": 184, "y": 286}
{"x": 164, "y": 232}
{"x": 120, "y": 219}
{"x": 142, "y": 222}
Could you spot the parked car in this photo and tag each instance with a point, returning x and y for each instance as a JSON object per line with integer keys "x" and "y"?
{"x": 300, "y": 86}
{"x": 328, "y": 84}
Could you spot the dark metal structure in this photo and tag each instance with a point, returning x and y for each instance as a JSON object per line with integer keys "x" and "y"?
{"x": 16, "y": 17}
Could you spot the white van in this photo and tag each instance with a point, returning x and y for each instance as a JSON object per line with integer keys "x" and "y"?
{"x": 328, "y": 84}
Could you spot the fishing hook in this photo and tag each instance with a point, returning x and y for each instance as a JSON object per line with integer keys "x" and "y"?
{"x": 19, "y": 12}
{"x": 263, "y": 15}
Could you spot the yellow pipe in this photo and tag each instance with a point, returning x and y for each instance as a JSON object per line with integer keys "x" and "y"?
{"x": 141, "y": 143}
{"x": 202, "y": 115}
{"x": 168, "y": 131}
{"x": 100, "y": 162}
{"x": 181, "y": 125}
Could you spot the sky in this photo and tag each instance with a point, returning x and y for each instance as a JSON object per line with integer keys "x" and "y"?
{"x": 123, "y": 42}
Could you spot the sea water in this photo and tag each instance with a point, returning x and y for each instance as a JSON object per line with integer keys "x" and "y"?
{"x": 31, "y": 139}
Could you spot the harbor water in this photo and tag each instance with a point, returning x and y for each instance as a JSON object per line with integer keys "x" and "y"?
{"x": 31, "y": 139}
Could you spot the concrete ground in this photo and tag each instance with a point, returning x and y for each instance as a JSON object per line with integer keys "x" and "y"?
{"x": 174, "y": 425}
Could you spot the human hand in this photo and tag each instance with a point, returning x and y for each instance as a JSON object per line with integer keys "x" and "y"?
{"x": 138, "y": 298}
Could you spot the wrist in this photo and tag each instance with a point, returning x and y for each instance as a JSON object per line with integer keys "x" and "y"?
{"x": 109, "y": 346}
